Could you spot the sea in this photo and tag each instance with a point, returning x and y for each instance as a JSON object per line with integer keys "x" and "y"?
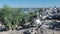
{"x": 27, "y": 10}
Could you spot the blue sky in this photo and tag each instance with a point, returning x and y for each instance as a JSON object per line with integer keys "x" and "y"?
{"x": 30, "y": 3}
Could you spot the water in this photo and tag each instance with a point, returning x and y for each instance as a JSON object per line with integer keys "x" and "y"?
{"x": 29, "y": 9}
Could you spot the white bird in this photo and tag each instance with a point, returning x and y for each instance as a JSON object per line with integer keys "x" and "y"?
{"x": 37, "y": 21}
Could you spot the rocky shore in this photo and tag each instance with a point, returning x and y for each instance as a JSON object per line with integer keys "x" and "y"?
{"x": 42, "y": 30}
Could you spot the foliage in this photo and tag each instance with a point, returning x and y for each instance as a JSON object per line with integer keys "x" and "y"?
{"x": 15, "y": 16}
{"x": 11, "y": 16}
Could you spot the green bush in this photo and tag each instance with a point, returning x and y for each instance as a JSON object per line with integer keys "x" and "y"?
{"x": 11, "y": 16}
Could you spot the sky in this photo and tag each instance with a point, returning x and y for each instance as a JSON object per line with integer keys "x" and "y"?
{"x": 30, "y": 3}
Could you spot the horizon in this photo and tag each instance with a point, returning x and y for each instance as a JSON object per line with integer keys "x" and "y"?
{"x": 30, "y": 3}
